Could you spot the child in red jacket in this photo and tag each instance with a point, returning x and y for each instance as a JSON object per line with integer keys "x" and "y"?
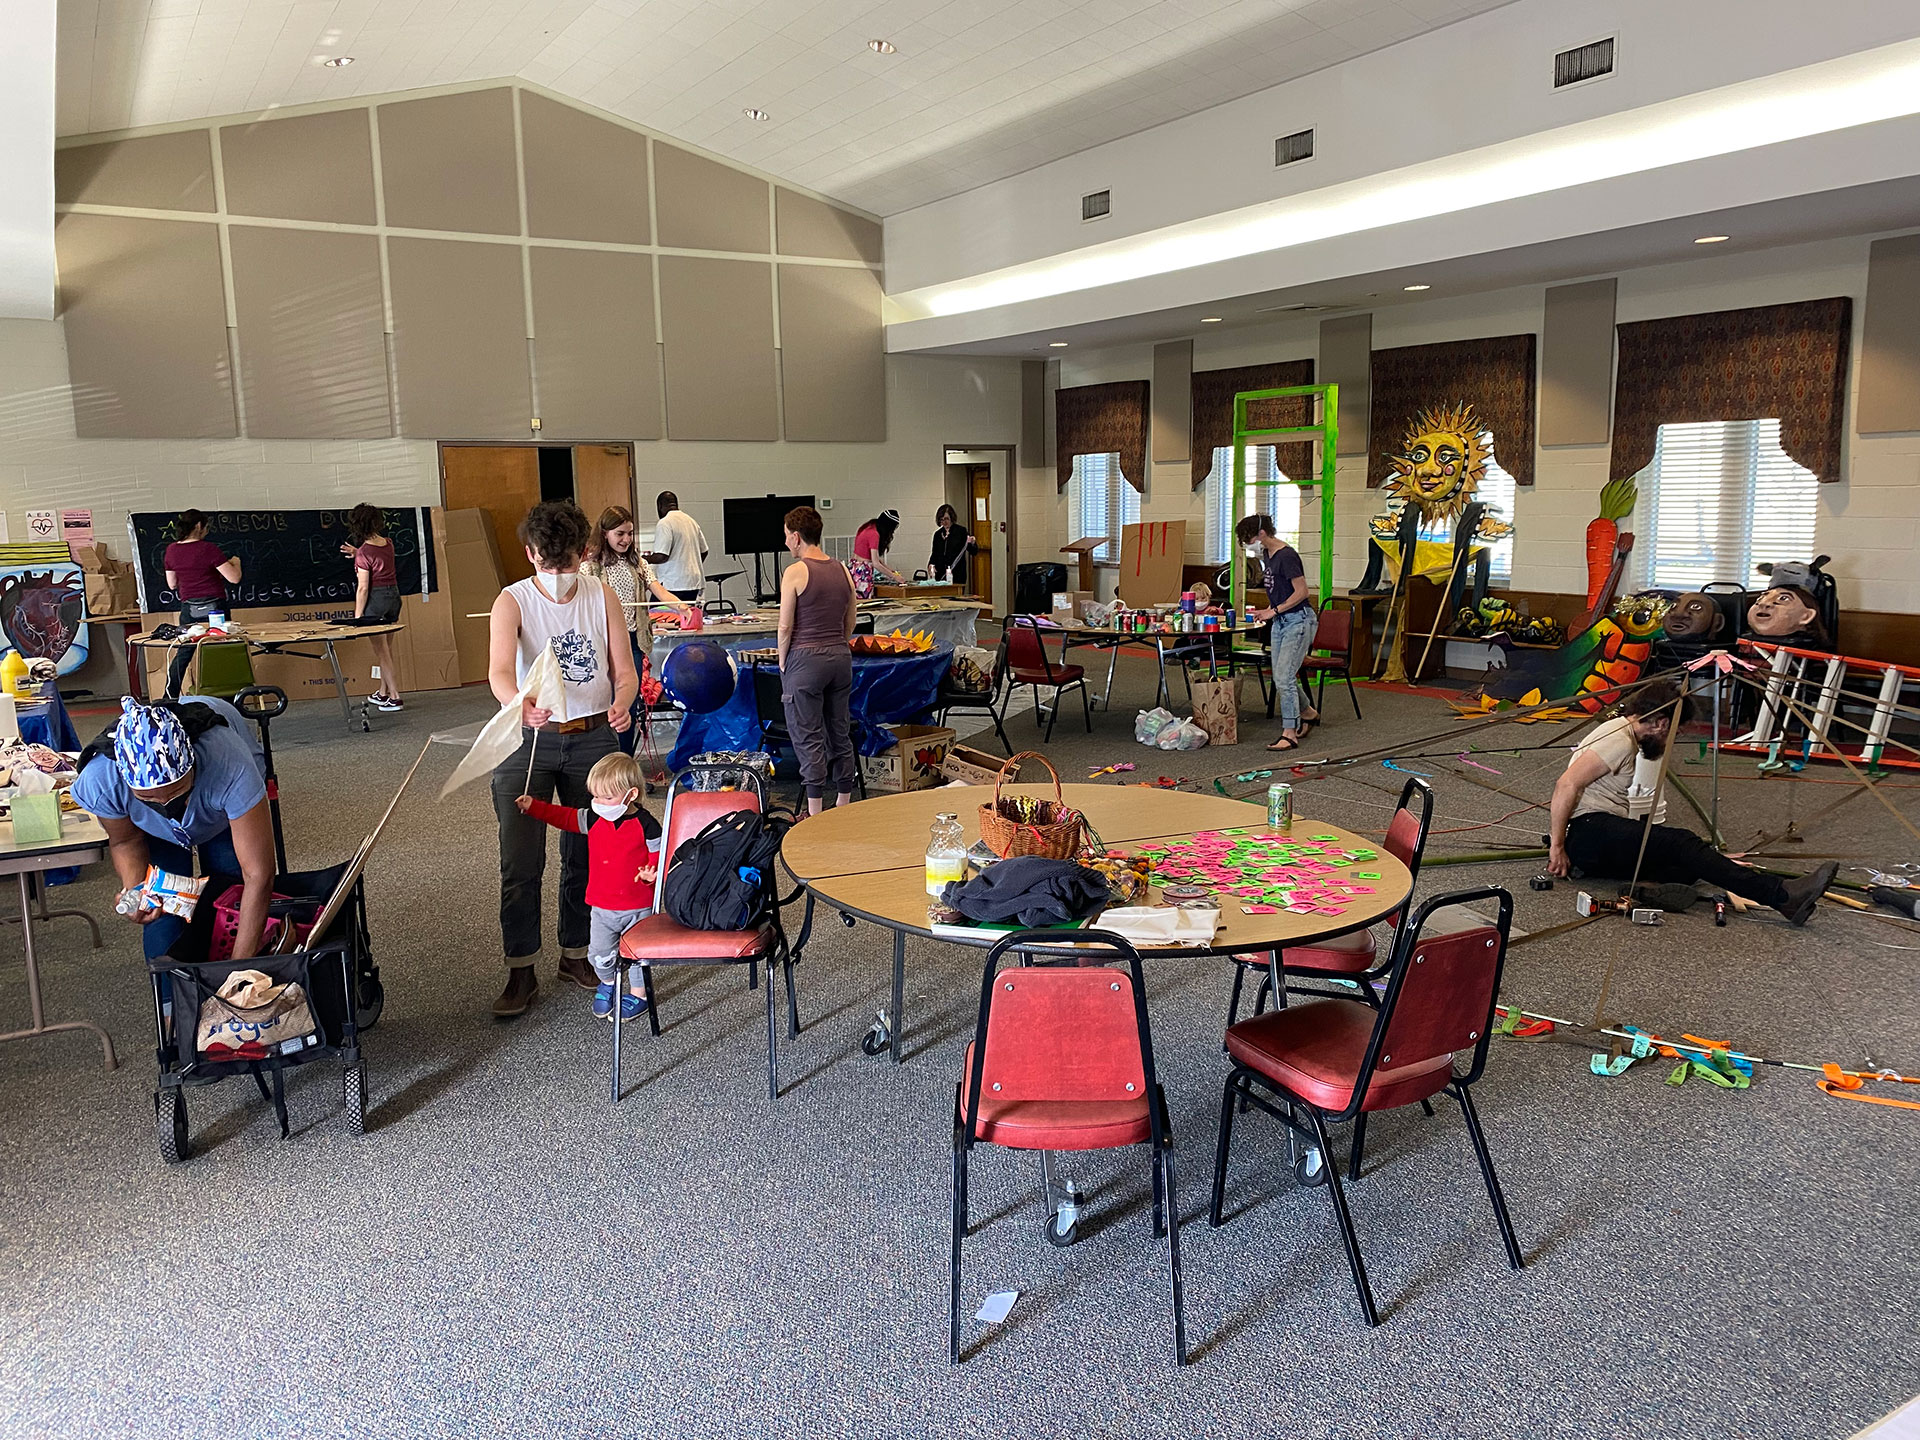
{"x": 623, "y": 861}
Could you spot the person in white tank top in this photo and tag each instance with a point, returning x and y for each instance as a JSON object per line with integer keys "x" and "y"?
{"x": 577, "y": 618}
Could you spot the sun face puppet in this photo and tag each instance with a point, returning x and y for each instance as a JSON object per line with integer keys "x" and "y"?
{"x": 1441, "y": 461}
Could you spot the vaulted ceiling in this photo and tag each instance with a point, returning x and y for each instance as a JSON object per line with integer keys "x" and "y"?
{"x": 974, "y": 90}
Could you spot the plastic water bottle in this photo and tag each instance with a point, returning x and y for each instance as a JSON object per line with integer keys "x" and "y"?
{"x": 946, "y": 853}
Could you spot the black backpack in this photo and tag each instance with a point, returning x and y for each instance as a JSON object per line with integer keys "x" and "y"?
{"x": 723, "y": 878}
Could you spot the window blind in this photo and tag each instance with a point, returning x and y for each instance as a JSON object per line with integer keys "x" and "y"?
{"x": 1720, "y": 497}
{"x": 1101, "y": 501}
{"x": 1269, "y": 490}
{"x": 1497, "y": 488}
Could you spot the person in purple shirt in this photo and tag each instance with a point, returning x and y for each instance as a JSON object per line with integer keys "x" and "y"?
{"x": 1294, "y": 624}
{"x": 198, "y": 573}
{"x": 376, "y": 594}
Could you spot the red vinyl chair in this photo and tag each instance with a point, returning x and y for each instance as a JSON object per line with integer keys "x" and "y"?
{"x": 659, "y": 939}
{"x": 1333, "y": 1059}
{"x": 1030, "y": 663}
{"x": 1353, "y": 957}
{"x": 1335, "y": 636}
{"x": 1062, "y": 1059}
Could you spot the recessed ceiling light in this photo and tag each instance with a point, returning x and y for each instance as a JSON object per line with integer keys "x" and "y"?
{"x": 754, "y": 112}
{"x": 1416, "y": 287}
{"x": 1711, "y": 239}
{"x": 337, "y": 62}
{"x": 1211, "y": 319}
{"x": 1056, "y": 344}
{"x": 880, "y": 47}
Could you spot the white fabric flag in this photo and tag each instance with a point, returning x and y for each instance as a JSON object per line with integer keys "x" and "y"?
{"x": 500, "y": 736}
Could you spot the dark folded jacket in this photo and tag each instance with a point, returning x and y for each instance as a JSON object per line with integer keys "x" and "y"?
{"x": 1031, "y": 890}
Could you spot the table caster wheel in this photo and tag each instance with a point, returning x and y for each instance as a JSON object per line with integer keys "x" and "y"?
{"x": 1310, "y": 1167}
{"x": 878, "y": 1037}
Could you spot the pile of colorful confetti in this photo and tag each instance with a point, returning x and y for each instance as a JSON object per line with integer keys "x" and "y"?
{"x": 1266, "y": 871}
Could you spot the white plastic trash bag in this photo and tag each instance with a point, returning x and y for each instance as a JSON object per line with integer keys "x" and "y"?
{"x": 1148, "y": 724}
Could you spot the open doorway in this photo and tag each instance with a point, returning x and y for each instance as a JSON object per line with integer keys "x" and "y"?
{"x": 980, "y": 486}
{"x": 506, "y": 481}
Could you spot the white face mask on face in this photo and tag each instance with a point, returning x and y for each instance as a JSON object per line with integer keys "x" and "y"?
{"x": 560, "y": 582}
{"x": 610, "y": 809}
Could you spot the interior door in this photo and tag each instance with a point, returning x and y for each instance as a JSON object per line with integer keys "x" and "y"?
{"x": 979, "y": 511}
{"x": 504, "y": 481}
{"x": 602, "y": 476}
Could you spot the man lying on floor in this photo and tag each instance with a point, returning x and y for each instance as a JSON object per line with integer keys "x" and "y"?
{"x": 1600, "y": 806}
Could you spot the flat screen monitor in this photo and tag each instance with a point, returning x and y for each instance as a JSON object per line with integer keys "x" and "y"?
{"x": 755, "y": 525}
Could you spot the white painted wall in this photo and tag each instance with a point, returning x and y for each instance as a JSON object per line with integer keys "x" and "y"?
{"x": 26, "y": 159}
{"x": 931, "y": 401}
{"x": 1480, "y": 82}
{"x": 1867, "y": 521}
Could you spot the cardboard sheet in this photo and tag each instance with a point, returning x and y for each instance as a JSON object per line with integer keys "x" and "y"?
{"x": 1152, "y": 557}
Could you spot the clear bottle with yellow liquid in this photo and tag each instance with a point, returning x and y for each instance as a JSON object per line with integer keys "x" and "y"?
{"x": 946, "y": 853}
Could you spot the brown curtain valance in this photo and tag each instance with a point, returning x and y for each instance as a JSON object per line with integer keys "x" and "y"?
{"x": 1213, "y": 392}
{"x": 1784, "y": 361}
{"x": 1102, "y": 420}
{"x": 1495, "y": 376}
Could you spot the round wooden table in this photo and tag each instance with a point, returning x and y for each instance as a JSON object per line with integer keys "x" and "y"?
{"x": 869, "y": 860}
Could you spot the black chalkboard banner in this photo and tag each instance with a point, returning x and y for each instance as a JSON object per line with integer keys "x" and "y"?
{"x": 287, "y": 557}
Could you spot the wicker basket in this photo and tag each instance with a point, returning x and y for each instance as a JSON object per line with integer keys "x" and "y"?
{"x": 1053, "y": 830}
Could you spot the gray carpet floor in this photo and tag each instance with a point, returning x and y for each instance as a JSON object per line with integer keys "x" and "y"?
{"x": 506, "y": 1253}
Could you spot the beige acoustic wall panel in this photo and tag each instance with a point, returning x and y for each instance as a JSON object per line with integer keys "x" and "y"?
{"x": 447, "y": 163}
{"x": 1346, "y": 360}
{"x": 716, "y": 317}
{"x": 1576, "y": 364}
{"x": 805, "y": 226}
{"x": 308, "y": 167}
{"x": 153, "y": 172}
{"x": 313, "y": 345}
{"x": 594, "y": 355}
{"x": 1889, "y": 393}
{"x": 1172, "y": 401}
{"x": 704, "y": 205}
{"x": 586, "y": 178}
{"x": 146, "y": 327}
{"x": 833, "y": 362}
{"x": 459, "y": 339}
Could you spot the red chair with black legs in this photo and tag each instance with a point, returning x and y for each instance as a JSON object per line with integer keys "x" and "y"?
{"x": 1029, "y": 662}
{"x": 1331, "y": 1060}
{"x": 1062, "y": 1059}
{"x": 658, "y": 939}
{"x": 1335, "y": 636}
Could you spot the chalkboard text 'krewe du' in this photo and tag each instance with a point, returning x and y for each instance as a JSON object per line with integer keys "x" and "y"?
{"x": 287, "y": 557}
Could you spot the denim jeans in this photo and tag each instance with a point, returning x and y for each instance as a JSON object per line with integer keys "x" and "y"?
{"x": 1292, "y": 637}
{"x": 216, "y": 858}
{"x": 560, "y": 766}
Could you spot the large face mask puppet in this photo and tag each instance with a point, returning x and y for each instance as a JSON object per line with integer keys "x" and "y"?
{"x": 1782, "y": 612}
{"x": 1694, "y": 619}
{"x": 1441, "y": 461}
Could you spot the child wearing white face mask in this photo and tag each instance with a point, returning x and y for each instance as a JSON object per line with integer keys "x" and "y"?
{"x": 623, "y": 862}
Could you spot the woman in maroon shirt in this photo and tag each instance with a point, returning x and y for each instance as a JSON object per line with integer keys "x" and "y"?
{"x": 376, "y": 594}
{"x": 198, "y": 573}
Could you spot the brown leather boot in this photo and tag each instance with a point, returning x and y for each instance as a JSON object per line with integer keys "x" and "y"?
{"x": 575, "y": 968}
{"x": 517, "y": 998}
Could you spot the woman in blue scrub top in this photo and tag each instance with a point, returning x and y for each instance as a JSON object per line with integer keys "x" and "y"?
{"x": 170, "y": 782}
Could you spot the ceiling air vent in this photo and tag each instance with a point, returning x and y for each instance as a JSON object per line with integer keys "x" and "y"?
{"x": 1583, "y": 62}
{"x": 1093, "y": 206}
{"x": 1290, "y": 148}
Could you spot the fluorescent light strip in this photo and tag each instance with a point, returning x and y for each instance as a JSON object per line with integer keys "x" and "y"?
{"x": 1875, "y": 85}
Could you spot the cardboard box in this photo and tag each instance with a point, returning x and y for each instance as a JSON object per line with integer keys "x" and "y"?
{"x": 470, "y": 578}
{"x": 1081, "y": 600}
{"x": 1152, "y": 560}
{"x": 971, "y": 766}
{"x": 111, "y": 586}
{"x": 913, "y": 764}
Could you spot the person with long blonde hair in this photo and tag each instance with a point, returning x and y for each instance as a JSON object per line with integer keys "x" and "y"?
{"x": 615, "y": 559}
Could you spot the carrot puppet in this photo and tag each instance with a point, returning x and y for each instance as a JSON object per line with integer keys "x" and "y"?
{"x": 1617, "y": 500}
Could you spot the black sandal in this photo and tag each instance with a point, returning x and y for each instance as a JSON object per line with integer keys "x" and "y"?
{"x": 1284, "y": 744}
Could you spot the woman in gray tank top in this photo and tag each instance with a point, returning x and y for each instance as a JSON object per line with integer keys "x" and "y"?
{"x": 817, "y": 609}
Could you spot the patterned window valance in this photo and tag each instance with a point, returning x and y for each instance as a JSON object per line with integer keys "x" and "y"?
{"x": 1773, "y": 361}
{"x": 1103, "y": 420}
{"x": 1495, "y": 376}
{"x": 1213, "y": 392}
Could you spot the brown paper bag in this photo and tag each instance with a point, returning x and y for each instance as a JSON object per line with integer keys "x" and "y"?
{"x": 1216, "y": 708}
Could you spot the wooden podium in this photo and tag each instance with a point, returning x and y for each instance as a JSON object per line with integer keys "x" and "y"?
{"x": 1084, "y": 548}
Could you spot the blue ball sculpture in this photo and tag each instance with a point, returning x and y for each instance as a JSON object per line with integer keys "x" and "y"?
{"x": 700, "y": 675}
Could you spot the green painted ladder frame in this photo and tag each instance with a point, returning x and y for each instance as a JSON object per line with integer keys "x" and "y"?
{"x": 1327, "y": 432}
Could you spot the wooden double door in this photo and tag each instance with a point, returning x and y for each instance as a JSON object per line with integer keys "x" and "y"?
{"x": 506, "y": 481}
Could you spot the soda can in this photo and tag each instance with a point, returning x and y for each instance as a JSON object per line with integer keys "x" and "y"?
{"x": 1279, "y": 806}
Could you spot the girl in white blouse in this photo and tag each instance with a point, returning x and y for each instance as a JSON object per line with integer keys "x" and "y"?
{"x": 613, "y": 557}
